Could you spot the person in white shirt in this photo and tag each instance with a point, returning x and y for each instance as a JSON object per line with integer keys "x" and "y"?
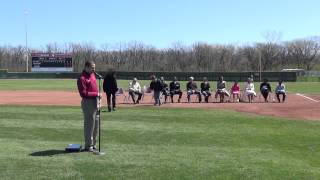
{"x": 135, "y": 89}
{"x": 221, "y": 89}
{"x": 281, "y": 89}
{"x": 249, "y": 91}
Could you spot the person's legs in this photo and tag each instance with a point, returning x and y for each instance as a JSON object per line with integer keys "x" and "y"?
{"x": 158, "y": 93}
{"x": 131, "y": 93}
{"x": 156, "y": 97}
{"x": 171, "y": 95}
{"x": 199, "y": 96}
{"x": 89, "y": 108}
{"x": 278, "y": 97}
{"x": 250, "y": 98}
{"x": 265, "y": 95}
{"x": 180, "y": 95}
{"x": 189, "y": 94}
{"x": 204, "y": 93}
{"x": 165, "y": 93}
{"x": 108, "y": 100}
{"x": 139, "y": 96}
{"x": 216, "y": 95}
{"x": 209, "y": 94}
{"x": 221, "y": 97}
{"x": 114, "y": 101}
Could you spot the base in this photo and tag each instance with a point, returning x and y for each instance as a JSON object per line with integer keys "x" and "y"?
{"x": 99, "y": 153}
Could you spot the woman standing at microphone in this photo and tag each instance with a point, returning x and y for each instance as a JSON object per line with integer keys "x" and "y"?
{"x": 88, "y": 90}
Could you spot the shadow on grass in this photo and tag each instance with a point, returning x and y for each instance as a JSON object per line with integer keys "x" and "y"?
{"x": 51, "y": 152}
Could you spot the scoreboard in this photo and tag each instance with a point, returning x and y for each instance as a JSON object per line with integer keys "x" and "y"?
{"x": 51, "y": 62}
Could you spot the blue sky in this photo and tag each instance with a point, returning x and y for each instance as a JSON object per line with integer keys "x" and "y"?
{"x": 160, "y": 23}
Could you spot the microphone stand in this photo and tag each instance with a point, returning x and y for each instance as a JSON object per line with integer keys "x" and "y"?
{"x": 99, "y": 115}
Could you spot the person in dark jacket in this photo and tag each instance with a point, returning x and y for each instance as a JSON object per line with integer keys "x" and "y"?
{"x": 110, "y": 87}
{"x": 265, "y": 89}
{"x": 205, "y": 89}
{"x": 165, "y": 91}
{"x": 192, "y": 88}
{"x": 175, "y": 89}
{"x": 156, "y": 86}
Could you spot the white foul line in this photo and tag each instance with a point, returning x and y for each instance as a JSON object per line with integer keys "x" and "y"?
{"x": 307, "y": 97}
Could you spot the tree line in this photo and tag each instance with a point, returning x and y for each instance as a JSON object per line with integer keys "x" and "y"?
{"x": 198, "y": 57}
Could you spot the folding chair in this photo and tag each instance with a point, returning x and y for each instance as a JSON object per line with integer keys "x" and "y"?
{"x": 146, "y": 91}
{"x": 121, "y": 92}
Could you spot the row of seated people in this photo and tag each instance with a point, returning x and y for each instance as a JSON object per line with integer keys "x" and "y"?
{"x": 160, "y": 87}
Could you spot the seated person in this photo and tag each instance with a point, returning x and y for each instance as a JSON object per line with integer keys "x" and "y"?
{"x": 165, "y": 90}
{"x": 135, "y": 89}
{"x": 281, "y": 90}
{"x": 221, "y": 89}
{"x": 205, "y": 89}
{"x": 192, "y": 89}
{"x": 175, "y": 89}
{"x": 249, "y": 90}
{"x": 156, "y": 87}
{"x": 235, "y": 91}
{"x": 265, "y": 89}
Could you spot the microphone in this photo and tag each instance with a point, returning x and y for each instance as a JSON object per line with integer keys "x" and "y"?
{"x": 98, "y": 75}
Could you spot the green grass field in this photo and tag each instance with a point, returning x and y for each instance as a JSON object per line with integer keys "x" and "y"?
{"x": 70, "y": 85}
{"x": 157, "y": 143}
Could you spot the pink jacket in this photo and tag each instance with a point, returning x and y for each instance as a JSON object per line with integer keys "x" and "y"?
{"x": 235, "y": 88}
{"x": 87, "y": 85}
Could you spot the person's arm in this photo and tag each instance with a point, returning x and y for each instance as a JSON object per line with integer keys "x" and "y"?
{"x": 269, "y": 87}
{"x": 83, "y": 90}
{"x": 171, "y": 86}
{"x": 202, "y": 86}
{"x": 261, "y": 85}
{"x": 139, "y": 87}
{"x": 152, "y": 85}
{"x": 104, "y": 86}
{"x": 81, "y": 87}
{"x": 115, "y": 84}
{"x": 224, "y": 84}
{"x": 130, "y": 86}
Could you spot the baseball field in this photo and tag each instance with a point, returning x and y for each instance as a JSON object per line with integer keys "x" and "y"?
{"x": 39, "y": 118}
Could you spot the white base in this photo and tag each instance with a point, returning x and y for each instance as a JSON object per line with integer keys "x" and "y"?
{"x": 98, "y": 153}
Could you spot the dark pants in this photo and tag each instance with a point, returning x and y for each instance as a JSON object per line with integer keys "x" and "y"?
{"x": 132, "y": 94}
{"x": 265, "y": 94}
{"x": 166, "y": 94}
{"x": 172, "y": 93}
{"x": 206, "y": 95}
{"x": 109, "y": 94}
{"x": 190, "y": 92}
{"x": 283, "y": 96}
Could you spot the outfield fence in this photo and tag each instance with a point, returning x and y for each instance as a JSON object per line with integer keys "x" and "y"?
{"x": 212, "y": 76}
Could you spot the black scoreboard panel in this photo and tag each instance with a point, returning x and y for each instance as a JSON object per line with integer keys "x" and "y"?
{"x": 51, "y": 62}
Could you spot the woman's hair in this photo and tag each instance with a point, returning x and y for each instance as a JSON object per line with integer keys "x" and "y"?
{"x": 88, "y": 63}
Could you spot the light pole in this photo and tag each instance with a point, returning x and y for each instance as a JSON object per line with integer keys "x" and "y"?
{"x": 260, "y": 65}
{"x": 26, "y": 34}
